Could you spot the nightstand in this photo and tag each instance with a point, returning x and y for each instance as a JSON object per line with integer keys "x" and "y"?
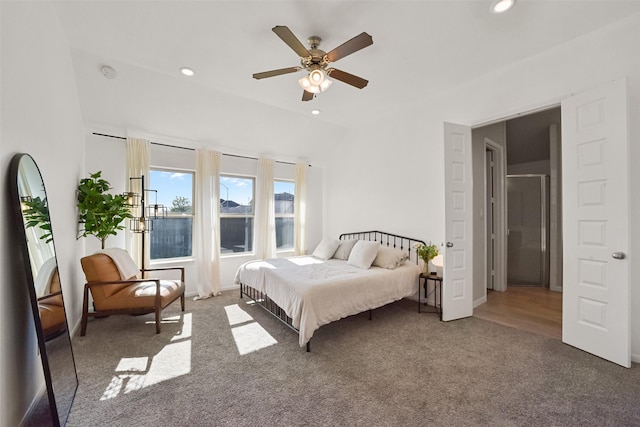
{"x": 423, "y": 280}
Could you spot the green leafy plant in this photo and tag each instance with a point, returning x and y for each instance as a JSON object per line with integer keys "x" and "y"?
{"x": 426, "y": 252}
{"x": 99, "y": 213}
{"x": 36, "y": 213}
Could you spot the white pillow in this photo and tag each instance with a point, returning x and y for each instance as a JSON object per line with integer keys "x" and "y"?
{"x": 389, "y": 258}
{"x": 363, "y": 254}
{"x": 344, "y": 250}
{"x": 326, "y": 248}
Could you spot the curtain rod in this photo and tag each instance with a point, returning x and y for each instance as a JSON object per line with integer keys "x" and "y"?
{"x": 190, "y": 149}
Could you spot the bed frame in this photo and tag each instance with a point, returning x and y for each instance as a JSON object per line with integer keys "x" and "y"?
{"x": 389, "y": 240}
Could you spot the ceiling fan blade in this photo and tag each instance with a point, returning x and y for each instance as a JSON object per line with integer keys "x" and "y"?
{"x": 347, "y": 48}
{"x": 291, "y": 40}
{"x": 273, "y": 73}
{"x": 347, "y": 78}
{"x": 307, "y": 96}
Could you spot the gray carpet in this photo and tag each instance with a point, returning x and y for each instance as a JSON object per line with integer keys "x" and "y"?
{"x": 401, "y": 368}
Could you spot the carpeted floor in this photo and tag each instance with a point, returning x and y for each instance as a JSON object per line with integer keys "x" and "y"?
{"x": 401, "y": 368}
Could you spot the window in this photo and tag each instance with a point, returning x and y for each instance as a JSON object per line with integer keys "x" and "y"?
{"x": 236, "y": 214}
{"x": 171, "y": 237}
{"x": 284, "y": 195}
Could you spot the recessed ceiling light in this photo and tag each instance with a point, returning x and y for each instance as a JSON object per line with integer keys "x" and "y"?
{"x": 315, "y": 112}
{"x": 187, "y": 71}
{"x": 501, "y": 6}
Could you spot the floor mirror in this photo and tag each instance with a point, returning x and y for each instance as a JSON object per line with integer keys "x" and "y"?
{"x": 36, "y": 250}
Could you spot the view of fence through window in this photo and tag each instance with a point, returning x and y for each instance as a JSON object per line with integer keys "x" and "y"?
{"x": 284, "y": 194}
{"x": 236, "y": 214}
{"x": 171, "y": 237}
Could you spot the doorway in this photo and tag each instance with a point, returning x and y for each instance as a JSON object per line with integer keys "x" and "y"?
{"x": 596, "y": 315}
{"x": 528, "y": 148}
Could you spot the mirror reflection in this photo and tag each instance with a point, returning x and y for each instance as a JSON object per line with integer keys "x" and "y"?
{"x": 45, "y": 289}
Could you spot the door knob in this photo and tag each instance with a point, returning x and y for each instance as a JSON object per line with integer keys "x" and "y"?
{"x": 449, "y": 244}
{"x": 618, "y": 255}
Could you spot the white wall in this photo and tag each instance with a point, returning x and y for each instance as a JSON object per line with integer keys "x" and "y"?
{"x": 390, "y": 174}
{"x": 497, "y": 134}
{"x": 109, "y": 156}
{"x": 41, "y": 116}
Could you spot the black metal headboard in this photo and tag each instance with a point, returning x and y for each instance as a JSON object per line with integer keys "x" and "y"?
{"x": 387, "y": 239}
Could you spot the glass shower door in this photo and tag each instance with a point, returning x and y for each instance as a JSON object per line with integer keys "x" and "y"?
{"x": 527, "y": 216}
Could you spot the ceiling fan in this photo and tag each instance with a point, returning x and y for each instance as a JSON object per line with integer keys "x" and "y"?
{"x": 316, "y": 61}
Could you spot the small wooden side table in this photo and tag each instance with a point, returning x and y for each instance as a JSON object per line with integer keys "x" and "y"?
{"x": 423, "y": 279}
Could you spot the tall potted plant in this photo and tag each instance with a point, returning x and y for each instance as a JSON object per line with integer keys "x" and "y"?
{"x": 99, "y": 213}
{"x": 36, "y": 213}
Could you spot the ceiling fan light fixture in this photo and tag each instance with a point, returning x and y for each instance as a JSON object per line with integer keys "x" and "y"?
{"x": 325, "y": 85}
{"x": 316, "y": 77}
{"x": 315, "y": 62}
{"x": 305, "y": 83}
{"x": 501, "y": 6}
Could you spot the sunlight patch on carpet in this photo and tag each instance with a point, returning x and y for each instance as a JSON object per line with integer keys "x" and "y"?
{"x": 172, "y": 361}
{"x": 251, "y": 337}
{"x": 132, "y": 364}
{"x": 236, "y": 315}
{"x": 248, "y": 335}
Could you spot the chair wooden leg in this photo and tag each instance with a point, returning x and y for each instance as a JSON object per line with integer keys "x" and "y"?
{"x": 85, "y": 311}
{"x": 158, "y": 305}
{"x": 83, "y": 324}
{"x": 182, "y": 301}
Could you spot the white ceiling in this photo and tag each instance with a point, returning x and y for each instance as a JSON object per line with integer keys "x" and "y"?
{"x": 421, "y": 48}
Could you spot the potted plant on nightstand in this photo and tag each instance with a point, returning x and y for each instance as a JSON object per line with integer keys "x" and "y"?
{"x": 426, "y": 254}
{"x": 100, "y": 213}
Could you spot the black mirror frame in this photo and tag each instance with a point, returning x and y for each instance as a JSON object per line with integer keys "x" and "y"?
{"x": 23, "y": 258}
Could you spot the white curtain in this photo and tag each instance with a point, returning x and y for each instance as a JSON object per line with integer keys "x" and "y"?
{"x": 206, "y": 245}
{"x": 264, "y": 244}
{"x": 137, "y": 166}
{"x": 300, "y": 210}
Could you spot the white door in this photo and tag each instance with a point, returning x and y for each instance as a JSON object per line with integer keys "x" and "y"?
{"x": 457, "y": 289}
{"x": 595, "y": 189}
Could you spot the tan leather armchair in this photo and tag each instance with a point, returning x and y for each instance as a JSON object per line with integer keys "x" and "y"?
{"x": 51, "y": 309}
{"x": 112, "y": 295}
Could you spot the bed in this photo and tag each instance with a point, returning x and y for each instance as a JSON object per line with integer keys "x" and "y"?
{"x": 361, "y": 272}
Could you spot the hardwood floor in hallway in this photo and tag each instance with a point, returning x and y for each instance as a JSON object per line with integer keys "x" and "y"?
{"x": 536, "y": 310}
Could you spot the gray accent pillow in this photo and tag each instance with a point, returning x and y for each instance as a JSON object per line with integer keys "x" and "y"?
{"x": 344, "y": 250}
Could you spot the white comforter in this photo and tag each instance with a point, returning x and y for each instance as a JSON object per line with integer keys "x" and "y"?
{"x": 314, "y": 292}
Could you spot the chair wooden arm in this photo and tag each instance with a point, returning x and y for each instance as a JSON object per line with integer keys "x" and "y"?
{"x": 143, "y": 270}
{"x": 49, "y": 296}
{"x": 117, "y": 282}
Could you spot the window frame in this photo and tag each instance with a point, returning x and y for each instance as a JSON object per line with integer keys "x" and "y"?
{"x": 149, "y": 202}
{"x": 221, "y": 215}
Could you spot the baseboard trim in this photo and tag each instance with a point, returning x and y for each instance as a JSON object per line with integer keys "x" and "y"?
{"x": 41, "y": 395}
{"x": 479, "y": 301}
